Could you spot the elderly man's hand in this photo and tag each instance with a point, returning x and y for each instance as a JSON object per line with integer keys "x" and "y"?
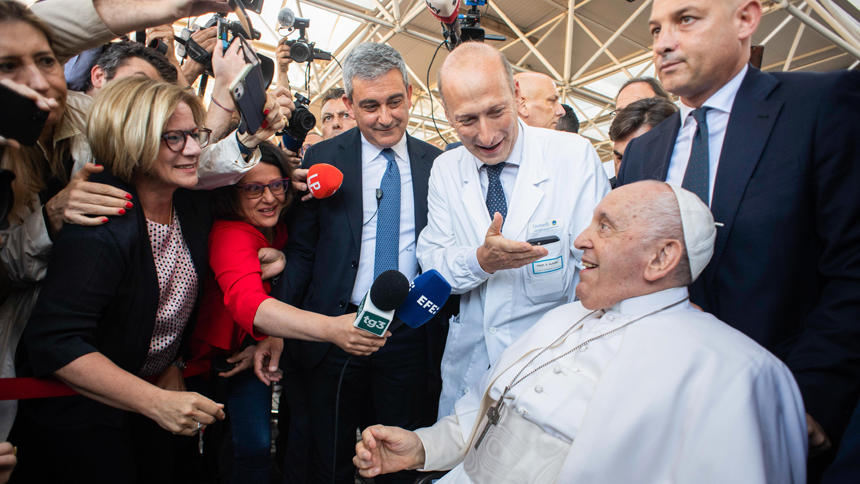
{"x": 384, "y": 450}
{"x": 499, "y": 253}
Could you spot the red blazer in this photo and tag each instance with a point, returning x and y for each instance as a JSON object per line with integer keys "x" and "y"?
{"x": 232, "y": 291}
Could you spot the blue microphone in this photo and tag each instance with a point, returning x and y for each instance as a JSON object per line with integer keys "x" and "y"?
{"x": 427, "y": 294}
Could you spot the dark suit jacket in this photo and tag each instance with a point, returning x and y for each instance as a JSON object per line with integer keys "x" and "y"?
{"x": 786, "y": 264}
{"x": 325, "y": 237}
{"x": 100, "y": 294}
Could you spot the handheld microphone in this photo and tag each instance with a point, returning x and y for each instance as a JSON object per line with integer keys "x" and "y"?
{"x": 427, "y": 294}
{"x": 376, "y": 310}
{"x": 324, "y": 180}
{"x": 286, "y": 17}
{"x": 447, "y": 12}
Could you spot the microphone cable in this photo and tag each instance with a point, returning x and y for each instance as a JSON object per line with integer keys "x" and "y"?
{"x": 378, "y": 202}
{"x": 336, "y": 412}
{"x": 432, "y": 111}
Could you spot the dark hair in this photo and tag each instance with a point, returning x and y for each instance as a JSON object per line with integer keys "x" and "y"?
{"x": 117, "y": 54}
{"x": 569, "y": 122}
{"x": 651, "y": 111}
{"x": 333, "y": 93}
{"x": 654, "y": 83}
{"x": 225, "y": 201}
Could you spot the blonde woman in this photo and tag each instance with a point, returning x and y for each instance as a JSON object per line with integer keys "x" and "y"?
{"x": 118, "y": 298}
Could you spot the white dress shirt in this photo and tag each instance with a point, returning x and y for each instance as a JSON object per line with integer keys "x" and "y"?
{"x": 508, "y": 178}
{"x": 373, "y": 166}
{"x": 718, "y": 120}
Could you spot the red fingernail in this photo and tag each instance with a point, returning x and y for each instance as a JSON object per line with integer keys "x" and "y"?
{"x": 128, "y": 196}
{"x": 264, "y": 125}
{"x": 104, "y": 220}
{"x": 129, "y": 205}
{"x": 122, "y": 211}
{"x": 99, "y": 166}
{"x": 265, "y": 111}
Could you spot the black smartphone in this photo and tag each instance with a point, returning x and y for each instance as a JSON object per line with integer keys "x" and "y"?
{"x": 250, "y": 97}
{"x": 26, "y": 124}
{"x": 221, "y": 365}
{"x": 550, "y": 239}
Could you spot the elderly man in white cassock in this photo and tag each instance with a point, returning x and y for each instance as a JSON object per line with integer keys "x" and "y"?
{"x": 629, "y": 384}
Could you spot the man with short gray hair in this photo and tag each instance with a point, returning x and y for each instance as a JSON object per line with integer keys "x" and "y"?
{"x": 340, "y": 244}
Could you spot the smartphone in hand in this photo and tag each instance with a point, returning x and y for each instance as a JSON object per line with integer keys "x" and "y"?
{"x": 23, "y": 120}
{"x": 250, "y": 98}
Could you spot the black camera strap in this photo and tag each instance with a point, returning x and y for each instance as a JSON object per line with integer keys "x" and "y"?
{"x": 195, "y": 51}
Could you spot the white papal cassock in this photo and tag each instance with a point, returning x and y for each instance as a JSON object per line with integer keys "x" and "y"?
{"x": 678, "y": 397}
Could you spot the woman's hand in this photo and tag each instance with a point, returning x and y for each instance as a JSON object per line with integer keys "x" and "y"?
{"x": 85, "y": 203}
{"x": 180, "y": 412}
{"x": 7, "y": 461}
{"x": 272, "y": 262}
{"x": 171, "y": 380}
{"x": 273, "y": 123}
{"x": 44, "y": 103}
{"x": 266, "y": 358}
{"x": 242, "y": 360}
{"x": 353, "y": 340}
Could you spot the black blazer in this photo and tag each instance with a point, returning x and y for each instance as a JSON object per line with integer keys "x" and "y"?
{"x": 786, "y": 264}
{"x": 100, "y": 294}
{"x": 325, "y": 237}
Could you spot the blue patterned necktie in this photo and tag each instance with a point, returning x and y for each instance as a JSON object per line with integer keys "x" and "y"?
{"x": 495, "y": 194}
{"x": 697, "y": 177}
{"x": 388, "y": 221}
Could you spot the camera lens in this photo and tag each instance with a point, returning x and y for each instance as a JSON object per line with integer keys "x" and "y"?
{"x": 304, "y": 119}
{"x": 300, "y": 52}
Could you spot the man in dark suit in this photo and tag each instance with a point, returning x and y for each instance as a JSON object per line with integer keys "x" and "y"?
{"x": 338, "y": 245}
{"x": 781, "y": 174}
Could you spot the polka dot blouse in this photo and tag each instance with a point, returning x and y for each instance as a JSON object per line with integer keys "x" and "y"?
{"x": 177, "y": 286}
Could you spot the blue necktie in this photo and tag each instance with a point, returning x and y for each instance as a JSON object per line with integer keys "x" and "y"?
{"x": 495, "y": 194}
{"x": 697, "y": 177}
{"x": 388, "y": 221}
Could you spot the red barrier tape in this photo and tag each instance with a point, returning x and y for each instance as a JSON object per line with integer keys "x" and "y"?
{"x": 25, "y": 388}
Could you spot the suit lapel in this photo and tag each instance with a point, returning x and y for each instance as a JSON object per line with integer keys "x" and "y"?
{"x": 750, "y": 124}
{"x": 420, "y": 166}
{"x": 349, "y": 163}
{"x": 660, "y": 148}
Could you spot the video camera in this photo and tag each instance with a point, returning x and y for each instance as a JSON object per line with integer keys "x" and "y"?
{"x": 301, "y": 49}
{"x": 460, "y": 28}
{"x": 301, "y": 123}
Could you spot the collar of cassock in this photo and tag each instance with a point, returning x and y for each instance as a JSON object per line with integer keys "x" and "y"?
{"x": 640, "y": 305}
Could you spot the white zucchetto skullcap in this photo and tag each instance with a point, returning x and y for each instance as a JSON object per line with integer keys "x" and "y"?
{"x": 700, "y": 231}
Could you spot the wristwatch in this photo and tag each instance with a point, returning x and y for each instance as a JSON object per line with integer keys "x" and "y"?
{"x": 179, "y": 364}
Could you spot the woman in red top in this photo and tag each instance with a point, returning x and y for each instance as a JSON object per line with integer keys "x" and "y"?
{"x": 237, "y": 311}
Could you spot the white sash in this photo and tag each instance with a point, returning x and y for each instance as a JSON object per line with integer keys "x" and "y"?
{"x": 515, "y": 451}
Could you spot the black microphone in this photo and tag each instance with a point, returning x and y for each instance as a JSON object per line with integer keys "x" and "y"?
{"x": 376, "y": 310}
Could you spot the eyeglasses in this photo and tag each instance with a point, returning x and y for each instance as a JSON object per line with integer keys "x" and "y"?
{"x": 255, "y": 190}
{"x": 612, "y": 114}
{"x": 176, "y": 138}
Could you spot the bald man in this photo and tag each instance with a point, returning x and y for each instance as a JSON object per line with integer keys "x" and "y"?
{"x": 776, "y": 156}
{"x": 538, "y": 102}
{"x": 503, "y": 211}
{"x": 630, "y": 384}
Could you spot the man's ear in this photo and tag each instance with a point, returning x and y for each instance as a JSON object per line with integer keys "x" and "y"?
{"x": 348, "y": 104}
{"x": 665, "y": 260}
{"x": 748, "y": 17}
{"x": 98, "y": 77}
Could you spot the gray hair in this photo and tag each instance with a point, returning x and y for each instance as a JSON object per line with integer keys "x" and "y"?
{"x": 370, "y": 61}
{"x": 660, "y": 219}
{"x": 509, "y": 71}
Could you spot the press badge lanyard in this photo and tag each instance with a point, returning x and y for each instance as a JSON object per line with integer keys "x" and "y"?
{"x": 494, "y": 412}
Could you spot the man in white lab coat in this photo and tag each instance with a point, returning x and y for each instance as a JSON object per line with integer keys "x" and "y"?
{"x": 630, "y": 384}
{"x": 525, "y": 184}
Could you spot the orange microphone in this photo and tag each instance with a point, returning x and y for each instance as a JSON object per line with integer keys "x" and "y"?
{"x": 324, "y": 180}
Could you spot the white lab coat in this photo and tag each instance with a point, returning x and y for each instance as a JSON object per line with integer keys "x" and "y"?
{"x": 687, "y": 399}
{"x": 559, "y": 183}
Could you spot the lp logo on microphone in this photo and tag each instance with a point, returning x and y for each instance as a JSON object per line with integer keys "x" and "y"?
{"x": 372, "y": 324}
{"x": 315, "y": 185}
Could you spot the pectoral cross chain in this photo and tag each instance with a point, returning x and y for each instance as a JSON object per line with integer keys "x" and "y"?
{"x": 493, "y": 415}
